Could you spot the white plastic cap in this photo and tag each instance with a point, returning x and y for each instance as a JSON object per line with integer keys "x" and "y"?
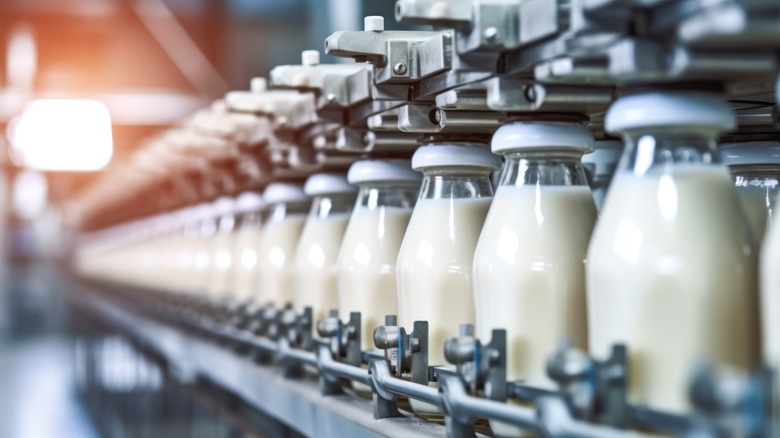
{"x": 542, "y": 135}
{"x": 700, "y": 110}
{"x": 364, "y": 171}
{"x": 223, "y": 205}
{"x": 604, "y": 157}
{"x": 310, "y": 57}
{"x": 248, "y": 202}
{"x": 455, "y": 155}
{"x": 374, "y": 23}
{"x": 753, "y": 152}
{"x": 203, "y": 211}
{"x": 258, "y": 84}
{"x": 328, "y": 184}
{"x": 283, "y": 193}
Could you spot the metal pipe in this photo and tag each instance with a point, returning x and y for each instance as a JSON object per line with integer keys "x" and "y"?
{"x": 406, "y": 388}
{"x": 328, "y": 365}
{"x": 459, "y": 403}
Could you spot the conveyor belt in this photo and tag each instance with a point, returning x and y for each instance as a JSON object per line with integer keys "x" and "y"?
{"x": 296, "y": 403}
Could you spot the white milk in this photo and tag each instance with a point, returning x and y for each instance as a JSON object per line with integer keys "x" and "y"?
{"x": 245, "y": 266}
{"x": 435, "y": 268}
{"x": 529, "y": 273}
{"x": 275, "y": 260}
{"x": 200, "y": 269}
{"x": 770, "y": 299}
{"x": 435, "y": 273}
{"x": 367, "y": 266}
{"x": 315, "y": 264}
{"x": 221, "y": 266}
{"x": 671, "y": 275}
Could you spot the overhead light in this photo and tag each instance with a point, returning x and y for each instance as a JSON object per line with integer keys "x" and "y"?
{"x": 63, "y": 135}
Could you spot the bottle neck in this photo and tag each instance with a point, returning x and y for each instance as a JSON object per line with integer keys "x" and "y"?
{"x": 756, "y": 176}
{"x": 452, "y": 183}
{"x": 388, "y": 194}
{"x": 281, "y": 211}
{"x": 227, "y": 222}
{"x": 249, "y": 220}
{"x": 661, "y": 152}
{"x": 327, "y": 205}
{"x": 553, "y": 168}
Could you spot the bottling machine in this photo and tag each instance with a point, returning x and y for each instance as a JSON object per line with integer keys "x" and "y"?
{"x": 481, "y": 65}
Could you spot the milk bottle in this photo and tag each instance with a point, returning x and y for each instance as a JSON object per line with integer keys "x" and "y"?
{"x": 287, "y": 206}
{"x": 600, "y": 167}
{"x": 185, "y": 257}
{"x": 529, "y": 265}
{"x": 369, "y": 253}
{"x": 437, "y": 253}
{"x": 249, "y": 207}
{"x": 770, "y": 301}
{"x": 318, "y": 248}
{"x": 671, "y": 268}
{"x": 221, "y": 266}
{"x": 202, "y": 245}
{"x": 755, "y": 169}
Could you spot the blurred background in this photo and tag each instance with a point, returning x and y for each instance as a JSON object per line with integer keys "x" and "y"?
{"x": 134, "y": 67}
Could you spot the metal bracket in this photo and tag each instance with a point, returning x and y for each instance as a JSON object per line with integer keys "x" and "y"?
{"x": 482, "y": 368}
{"x": 406, "y": 353}
{"x": 594, "y": 389}
{"x": 732, "y": 404}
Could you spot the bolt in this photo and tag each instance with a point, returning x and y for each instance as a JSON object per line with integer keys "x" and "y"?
{"x": 400, "y": 69}
{"x": 436, "y": 116}
{"x": 530, "y": 93}
{"x": 491, "y": 34}
{"x": 374, "y": 23}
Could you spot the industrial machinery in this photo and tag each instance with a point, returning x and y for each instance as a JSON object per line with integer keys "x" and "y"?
{"x": 146, "y": 255}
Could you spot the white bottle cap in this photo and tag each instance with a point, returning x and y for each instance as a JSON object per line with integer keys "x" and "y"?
{"x": 328, "y": 184}
{"x": 374, "y": 23}
{"x": 310, "y": 57}
{"x": 382, "y": 170}
{"x": 203, "y": 211}
{"x": 258, "y": 84}
{"x": 248, "y": 202}
{"x": 542, "y": 135}
{"x": 223, "y": 205}
{"x": 753, "y": 152}
{"x": 698, "y": 110}
{"x": 282, "y": 193}
{"x": 604, "y": 157}
{"x": 455, "y": 155}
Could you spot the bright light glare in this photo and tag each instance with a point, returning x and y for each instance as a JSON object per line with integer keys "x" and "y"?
{"x": 64, "y": 135}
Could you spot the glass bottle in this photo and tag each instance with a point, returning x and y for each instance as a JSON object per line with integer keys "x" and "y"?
{"x": 318, "y": 248}
{"x": 221, "y": 266}
{"x": 600, "y": 165}
{"x": 529, "y": 265}
{"x": 249, "y": 209}
{"x": 287, "y": 206}
{"x": 671, "y": 267}
{"x": 529, "y": 272}
{"x": 436, "y": 258}
{"x": 755, "y": 169}
{"x": 369, "y": 253}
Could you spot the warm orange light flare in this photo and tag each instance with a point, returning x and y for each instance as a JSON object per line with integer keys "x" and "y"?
{"x": 63, "y": 135}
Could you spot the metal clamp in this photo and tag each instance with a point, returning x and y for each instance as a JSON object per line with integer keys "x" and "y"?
{"x": 482, "y": 368}
{"x": 344, "y": 339}
{"x": 732, "y": 404}
{"x": 406, "y": 353}
{"x": 594, "y": 389}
